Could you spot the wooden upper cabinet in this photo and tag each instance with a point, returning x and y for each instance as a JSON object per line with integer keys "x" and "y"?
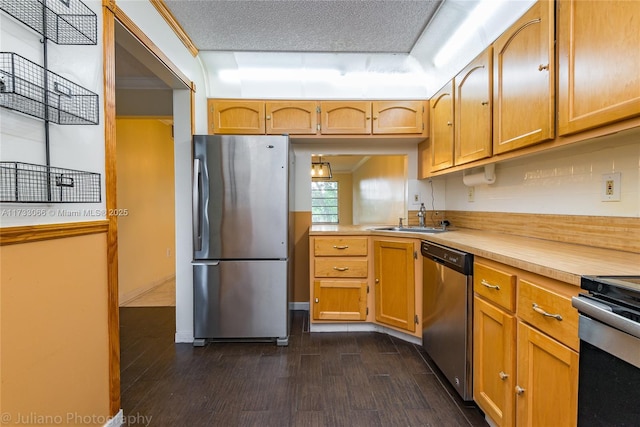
{"x": 473, "y": 110}
{"x": 599, "y": 63}
{"x": 345, "y": 117}
{"x": 292, "y": 117}
{"x": 524, "y": 83}
{"x": 441, "y": 128}
{"x": 236, "y": 117}
{"x": 397, "y": 117}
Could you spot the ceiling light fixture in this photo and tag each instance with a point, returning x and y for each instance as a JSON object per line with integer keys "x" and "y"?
{"x": 320, "y": 169}
{"x": 476, "y": 19}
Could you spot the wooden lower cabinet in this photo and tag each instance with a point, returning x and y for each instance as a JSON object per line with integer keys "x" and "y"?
{"x": 547, "y": 382}
{"x": 394, "y": 279}
{"x": 340, "y": 300}
{"x": 339, "y": 278}
{"x": 525, "y": 371}
{"x": 494, "y": 355}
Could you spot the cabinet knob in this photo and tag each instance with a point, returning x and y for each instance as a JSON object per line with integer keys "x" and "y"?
{"x": 485, "y": 102}
{"x": 368, "y": 118}
{"x": 375, "y": 118}
{"x": 519, "y": 390}
{"x": 503, "y": 376}
{"x": 268, "y": 117}
{"x": 377, "y": 281}
{"x": 317, "y": 300}
{"x": 543, "y": 67}
{"x": 449, "y": 124}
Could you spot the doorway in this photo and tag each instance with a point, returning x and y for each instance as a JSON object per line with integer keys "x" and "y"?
{"x": 142, "y": 149}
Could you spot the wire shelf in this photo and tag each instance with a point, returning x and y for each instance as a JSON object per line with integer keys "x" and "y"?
{"x": 30, "y": 183}
{"x": 61, "y": 21}
{"x": 22, "y": 88}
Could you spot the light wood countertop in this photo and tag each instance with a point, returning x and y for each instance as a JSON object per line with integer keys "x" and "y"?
{"x": 561, "y": 261}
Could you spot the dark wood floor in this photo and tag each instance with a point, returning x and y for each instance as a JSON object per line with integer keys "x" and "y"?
{"x": 320, "y": 379}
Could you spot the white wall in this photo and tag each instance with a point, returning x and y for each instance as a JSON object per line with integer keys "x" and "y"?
{"x": 79, "y": 147}
{"x": 566, "y": 181}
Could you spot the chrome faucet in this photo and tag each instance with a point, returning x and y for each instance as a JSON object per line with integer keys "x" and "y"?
{"x": 400, "y": 222}
{"x": 422, "y": 214}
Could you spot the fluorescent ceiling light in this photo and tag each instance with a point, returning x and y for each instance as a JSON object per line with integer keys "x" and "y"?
{"x": 278, "y": 74}
{"x": 476, "y": 19}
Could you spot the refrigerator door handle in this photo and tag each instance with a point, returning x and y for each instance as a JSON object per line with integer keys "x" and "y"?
{"x": 197, "y": 232}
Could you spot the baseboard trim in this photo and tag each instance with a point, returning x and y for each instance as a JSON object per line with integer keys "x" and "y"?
{"x": 299, "y": 306}
{"x": 184, "y": 337}
{"x": 363, "y": 327}
{"x": 117, "y": 420}
{"x": 125, "y": 299}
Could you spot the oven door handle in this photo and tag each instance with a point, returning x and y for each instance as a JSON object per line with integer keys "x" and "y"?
{"x": 603, "y": 313}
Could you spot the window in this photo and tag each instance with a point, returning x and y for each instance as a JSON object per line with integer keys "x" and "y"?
{"x": 324, "y": 202}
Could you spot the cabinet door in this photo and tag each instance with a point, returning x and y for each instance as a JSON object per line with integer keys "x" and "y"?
{"x": 547, "y": 382}
{"x": 524, "y": 67}
{"x": 473, "y": 110}
{"x": 397, "y": 117}
{"x": 345, "y": 117}
{"x": 494, "y": 367}
{"x": 441, "y": 128}
{"x": 236, "y": 117}
{"x": 340, "y": 300}
{"x": 395, "y": 284}
{"x": 292, "y": 117}
{"x": 599, "y": 63}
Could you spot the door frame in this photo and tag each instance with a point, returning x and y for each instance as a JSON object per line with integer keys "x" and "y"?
{"x": 112, "y": 15}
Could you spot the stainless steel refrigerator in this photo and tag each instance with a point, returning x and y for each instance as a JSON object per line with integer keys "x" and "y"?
{"x": 242, "y": 237}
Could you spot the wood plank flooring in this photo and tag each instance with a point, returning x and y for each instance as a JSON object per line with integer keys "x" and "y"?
{"x": 320, "y": 379}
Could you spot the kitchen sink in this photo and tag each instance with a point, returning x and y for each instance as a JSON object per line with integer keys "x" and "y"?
{"x": 411, "y": 229}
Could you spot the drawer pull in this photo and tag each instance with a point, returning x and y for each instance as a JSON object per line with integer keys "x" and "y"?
{"x": 489, "y": 285}
{"x": 519, "y": 390}
{"x": 340, "y": 247}
{"x": 503, "y": 376}
{"x": 341, "y": 268}
{"x": 539, "y": 310}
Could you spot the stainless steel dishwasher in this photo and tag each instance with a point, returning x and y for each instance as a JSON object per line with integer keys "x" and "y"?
{"x": 447, "y": 317}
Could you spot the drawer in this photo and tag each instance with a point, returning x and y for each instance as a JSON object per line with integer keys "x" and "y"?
{"x": 335, "y": 246}
{"x": 341, "y": 267}
{"x": 549, "y": 311}
{"x": 495, "y": 285}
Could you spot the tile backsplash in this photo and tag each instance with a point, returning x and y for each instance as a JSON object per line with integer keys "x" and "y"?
{"x": 563, "y": 181}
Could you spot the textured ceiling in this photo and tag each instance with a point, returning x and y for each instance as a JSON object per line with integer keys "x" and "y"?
{"x": 366, "y": 26}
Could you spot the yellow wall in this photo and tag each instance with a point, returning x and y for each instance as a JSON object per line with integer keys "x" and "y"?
{"x": 54, "y": 354}
{"x": 379, "y": 188}
{"x": 146, "y": 189}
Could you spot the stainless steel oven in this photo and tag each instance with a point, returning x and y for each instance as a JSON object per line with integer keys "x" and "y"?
{"x": 609, "y": 330}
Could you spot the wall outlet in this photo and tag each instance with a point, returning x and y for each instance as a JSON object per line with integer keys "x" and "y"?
{"x": 416, "y": 198}
{"x": 611, "y": 187}
{"x": 471, "y": 194}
